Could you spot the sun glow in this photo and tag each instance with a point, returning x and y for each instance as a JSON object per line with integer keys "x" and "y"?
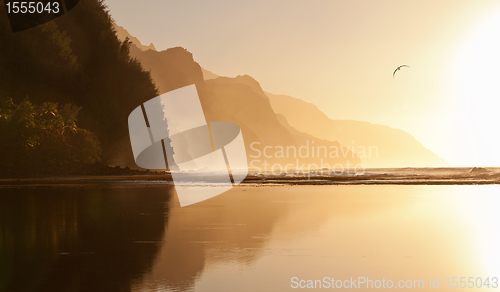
{"x": 481, "y": 212}
{"x": 477, "y": 85}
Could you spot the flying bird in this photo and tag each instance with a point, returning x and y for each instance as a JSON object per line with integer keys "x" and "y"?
{"x": 399, "y": 68}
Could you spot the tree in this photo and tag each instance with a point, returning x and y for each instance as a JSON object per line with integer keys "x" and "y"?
{"x": 43, "y": 138}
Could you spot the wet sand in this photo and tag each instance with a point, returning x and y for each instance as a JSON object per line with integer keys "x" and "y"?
{"x": 113, "y": 234}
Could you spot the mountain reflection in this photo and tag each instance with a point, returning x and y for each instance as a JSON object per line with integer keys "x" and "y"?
{"x": 256, "y": 238}
{"x": 237, "y": 227}
{"x": 139, "y": 239}
{"x": 68, "y": 239}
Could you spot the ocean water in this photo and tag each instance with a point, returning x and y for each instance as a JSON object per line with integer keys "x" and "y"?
{"x": 252, "y": 238}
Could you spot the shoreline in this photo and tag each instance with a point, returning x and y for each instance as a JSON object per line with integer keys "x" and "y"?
{"x": 393, "y": 176}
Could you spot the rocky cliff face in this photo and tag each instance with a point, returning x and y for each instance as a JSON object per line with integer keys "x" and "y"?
{"x": 377, "y": 145}
{"x": 170, "y": 69}
{"x": 122, "y": 34}
{"x": 278, "y": 120}
{"x": 242, "y": 101}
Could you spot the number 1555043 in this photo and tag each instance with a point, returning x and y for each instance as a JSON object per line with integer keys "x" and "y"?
{"x": 472, "y": 282}
{"x": 32, "y": 7}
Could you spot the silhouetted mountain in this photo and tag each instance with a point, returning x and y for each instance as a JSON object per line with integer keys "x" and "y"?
{"x": 123, "y": 34}
{"x": 242, "y": 101}
{"x": 396, "y": 148}
{"x": 234, "y": 100}
{"x": 239, "y": 100}
{"x": 170, "y": 69}
{"x": 207, "y": 75}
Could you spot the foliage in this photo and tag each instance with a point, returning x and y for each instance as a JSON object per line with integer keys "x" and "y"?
{"x": 43, "y": 137}
{"x": 78, "y": 59}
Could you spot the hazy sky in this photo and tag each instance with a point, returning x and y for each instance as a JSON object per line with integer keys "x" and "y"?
{"x": 340, "y": 55}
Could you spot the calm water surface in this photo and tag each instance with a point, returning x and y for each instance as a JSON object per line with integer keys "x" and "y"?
{"x": 248, "y": 239}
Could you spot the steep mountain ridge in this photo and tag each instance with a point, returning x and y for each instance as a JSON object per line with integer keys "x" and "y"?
{"x": 395, "y": 148}
{"x": 122, "y": 34}
{"x": 241, "y": 100}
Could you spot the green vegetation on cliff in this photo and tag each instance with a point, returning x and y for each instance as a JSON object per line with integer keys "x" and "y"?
{"x": 76, "y": 59}
{"x": 43, "y": 138}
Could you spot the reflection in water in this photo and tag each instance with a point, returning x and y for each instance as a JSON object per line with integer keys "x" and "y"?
{"x": 257, "y": 239}
{"x": 68, "y": 239}
{"x": 248, "y": 239}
